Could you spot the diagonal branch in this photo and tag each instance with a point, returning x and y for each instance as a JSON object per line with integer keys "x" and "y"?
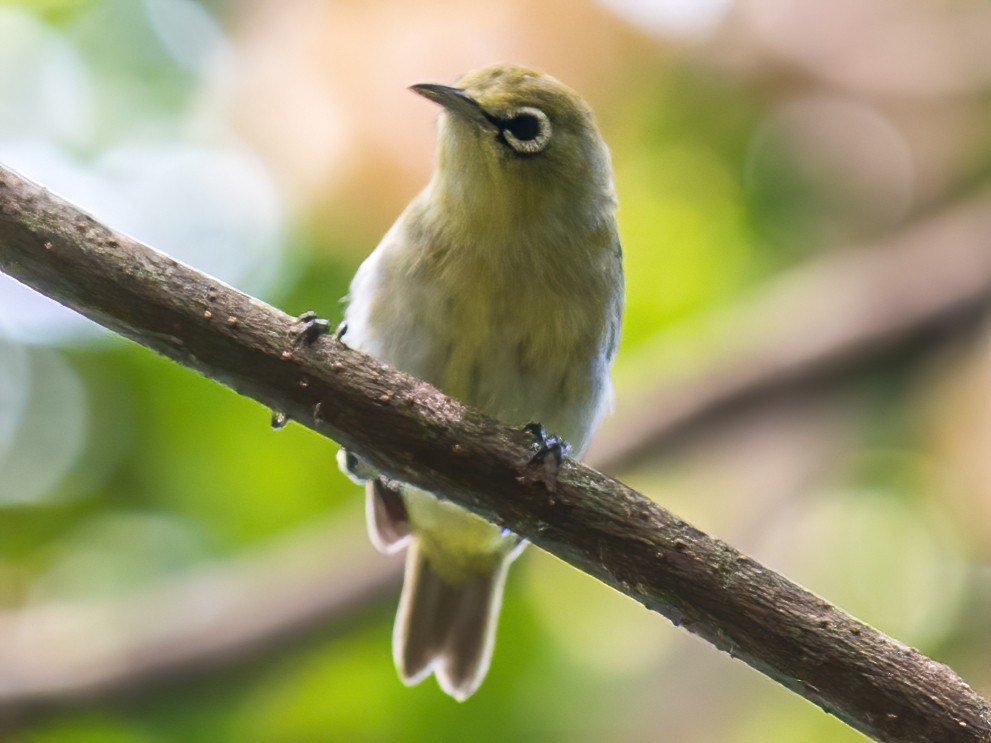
{"x": 935, "y": 276}
{"x": 410, "y": 431}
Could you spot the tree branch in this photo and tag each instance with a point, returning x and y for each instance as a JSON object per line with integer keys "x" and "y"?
{"x": 918, "y": 303}
{"x": 411, "y": 432}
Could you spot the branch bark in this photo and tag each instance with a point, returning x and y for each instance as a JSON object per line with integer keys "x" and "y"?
{"x": 410, "y": 431}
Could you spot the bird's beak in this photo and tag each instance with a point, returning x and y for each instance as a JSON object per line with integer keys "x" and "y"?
{"x": 455, "y": 100}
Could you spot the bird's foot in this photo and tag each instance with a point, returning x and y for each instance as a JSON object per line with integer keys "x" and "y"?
{"x": 549, "y": 452}
{"x": 311, "y": 327}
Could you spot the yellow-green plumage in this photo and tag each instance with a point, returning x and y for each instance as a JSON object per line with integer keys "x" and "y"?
{"x": 501, "y": 283}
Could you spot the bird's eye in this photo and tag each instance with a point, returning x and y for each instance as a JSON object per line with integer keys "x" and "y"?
{"x": 527, "y": 131}
{"x": 524, "y": 127}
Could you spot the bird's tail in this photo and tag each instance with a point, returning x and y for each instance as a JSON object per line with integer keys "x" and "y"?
{"x": 447, "y": 628}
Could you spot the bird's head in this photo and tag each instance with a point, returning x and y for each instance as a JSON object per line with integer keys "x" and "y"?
{"x": 521, "y": 134}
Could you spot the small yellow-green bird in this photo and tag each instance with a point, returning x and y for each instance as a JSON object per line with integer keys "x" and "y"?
{"x": 502, "y": 285}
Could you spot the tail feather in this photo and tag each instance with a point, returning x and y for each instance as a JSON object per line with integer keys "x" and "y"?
{"x": 446, "y": 628}
{"x": 471, "y": 637}
{"x": 388, "y": 522}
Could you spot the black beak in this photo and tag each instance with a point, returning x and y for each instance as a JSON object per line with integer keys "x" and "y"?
{"x": 455, "y": 100}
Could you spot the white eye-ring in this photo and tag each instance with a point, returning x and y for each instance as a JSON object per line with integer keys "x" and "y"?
{"x": 527, "y": 131}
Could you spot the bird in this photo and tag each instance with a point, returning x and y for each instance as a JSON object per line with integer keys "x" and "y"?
{"x": 501, "y": 284}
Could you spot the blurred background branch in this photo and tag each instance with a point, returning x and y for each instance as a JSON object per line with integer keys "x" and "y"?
{"x": 829, "y": 319}
{"x": 314, "y": 581}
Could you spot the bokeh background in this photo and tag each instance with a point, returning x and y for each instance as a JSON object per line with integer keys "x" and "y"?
{"x": 173, "y": 569}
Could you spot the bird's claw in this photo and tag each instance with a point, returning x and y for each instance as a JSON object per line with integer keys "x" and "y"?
{"x": 311, "y": 327}
{"x": 549, "y": 452}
